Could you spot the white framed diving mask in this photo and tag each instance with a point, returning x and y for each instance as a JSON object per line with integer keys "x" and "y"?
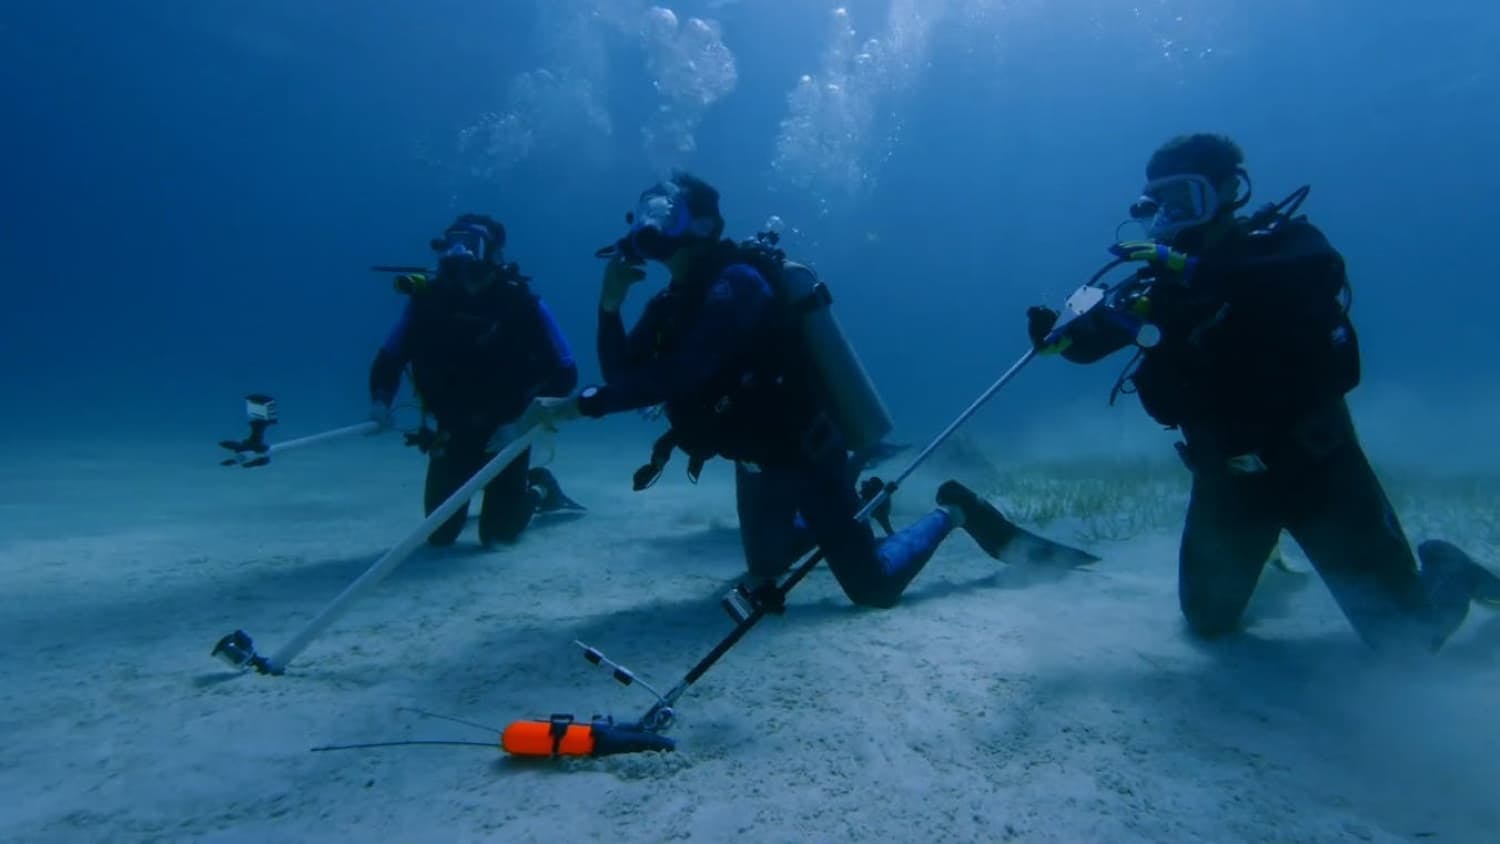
{"x": 1172, "y": 204}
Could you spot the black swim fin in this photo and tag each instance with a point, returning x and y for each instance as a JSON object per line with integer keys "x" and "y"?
{"x": 1279, "y": 562}
{"x": 1003, "y": 539}
{"x": 1487, "y": 590}
{"x": 1025, "y": 546}
{"x": 551, "y": 497}
{"x": 1446, "y": 562}
{"x": 1486, "y": 586}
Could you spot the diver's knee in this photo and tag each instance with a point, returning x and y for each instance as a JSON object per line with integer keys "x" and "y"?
{"x": 442, "y": 538}
{"x": 1207, "y": 621}
{"x": 766, "y": 560}
{"x": 503, "y": 535}
{"x": 505, "y": 519}
{"x": 873, "y": 597}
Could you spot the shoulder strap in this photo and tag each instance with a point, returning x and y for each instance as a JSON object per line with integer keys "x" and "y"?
{"x": 1271, "y": 216}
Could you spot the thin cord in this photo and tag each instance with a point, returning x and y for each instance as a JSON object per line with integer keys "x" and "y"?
{"x": 424, "y": 713}
{"x": 402, "y": 744}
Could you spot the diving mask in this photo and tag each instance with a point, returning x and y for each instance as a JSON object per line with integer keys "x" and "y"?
{"x": 462, "y": 242}
{"x": 1172, "y": 204}
{"x": 660, "y": 225}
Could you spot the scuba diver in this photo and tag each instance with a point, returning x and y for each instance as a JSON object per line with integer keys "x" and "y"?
{"x": 730, "y": 350}
{"x": 1247, "y": 349}
{"x": 481, "y": 345}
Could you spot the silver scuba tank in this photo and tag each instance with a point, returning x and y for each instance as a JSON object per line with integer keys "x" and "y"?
{"x": 853, "y": 402}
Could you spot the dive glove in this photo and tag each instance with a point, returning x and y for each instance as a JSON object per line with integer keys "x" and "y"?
{"x": 544, "y": 412}
{"x": 1039, "y": 323}
{"x": 380, "y": 414}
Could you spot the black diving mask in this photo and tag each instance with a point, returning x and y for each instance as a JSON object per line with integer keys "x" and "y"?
{"x": 462, "y": 243}
{"x": 659, "y": 226}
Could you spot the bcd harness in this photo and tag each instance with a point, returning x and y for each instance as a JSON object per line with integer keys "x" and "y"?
{"x": 768, "y": 260}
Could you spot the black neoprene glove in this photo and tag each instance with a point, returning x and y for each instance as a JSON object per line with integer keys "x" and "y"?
{"x": 1039, "y": 323}
{"x": 770, "y": 597}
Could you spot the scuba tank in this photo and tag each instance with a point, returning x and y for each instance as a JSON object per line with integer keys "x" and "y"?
{"x": 854, "y": 405}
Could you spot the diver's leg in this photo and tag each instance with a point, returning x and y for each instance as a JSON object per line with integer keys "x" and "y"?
{"x": 871, "y": 574}
{"x": 509, "y": 501}
{"x": 447, "y": 470}
{"x": 1341, "y": 517}
{"x": 1231, "y": 529}
{"x": 772, "y": 533}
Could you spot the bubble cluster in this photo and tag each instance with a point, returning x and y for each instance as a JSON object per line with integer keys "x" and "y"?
{"x": 840, "y": 125}
{"x": 559, "y": 106}
{"x": 843, "y": 118}
{"x": 691, "y": 69}
{"x": 541, "y": 108}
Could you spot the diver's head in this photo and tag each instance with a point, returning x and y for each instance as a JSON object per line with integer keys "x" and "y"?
{"x": 675, "y": 222}
{"x": 1192, "y": 189}
{"x": 470, "y": 248}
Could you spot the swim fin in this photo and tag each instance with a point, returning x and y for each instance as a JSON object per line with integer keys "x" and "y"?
{"x": 1486, "y": 587}
{"x": 1279, "y": 560}
{"x": 1003, "y": 539}
{"x": 1444, "y": 561}
{"x": 551, "y": 498}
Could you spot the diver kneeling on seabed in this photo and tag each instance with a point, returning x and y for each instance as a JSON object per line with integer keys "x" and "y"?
{"x": 742, "y": 349}
{"x": 480, "y": 345}
{"x": 1246, "y": 347}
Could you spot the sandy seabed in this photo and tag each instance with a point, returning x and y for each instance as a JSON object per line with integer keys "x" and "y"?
{"x": 996, "y": 703}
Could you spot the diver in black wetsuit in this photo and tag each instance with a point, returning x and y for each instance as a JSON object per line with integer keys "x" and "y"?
{"x": 481, "y": 345}
{"x": 716, "y": 349}
{"x": 1247, "y": 348}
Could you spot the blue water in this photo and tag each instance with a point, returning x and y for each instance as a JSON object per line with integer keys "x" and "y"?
{"x": 193, "y": 190}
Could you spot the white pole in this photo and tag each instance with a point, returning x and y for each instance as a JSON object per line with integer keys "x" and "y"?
{"x": 398, "y": 554}
{"x": 326, "y": 436}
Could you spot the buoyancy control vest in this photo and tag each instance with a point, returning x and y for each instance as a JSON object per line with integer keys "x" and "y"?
{"x": 801, "y": 388}
{"x": 1260, "y": 338}
{"x": 472, "y": 352}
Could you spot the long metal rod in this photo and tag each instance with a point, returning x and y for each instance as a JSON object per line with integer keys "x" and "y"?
{"x": 326, "y": 436}
{"x": 398, "y": 554}
{"x": 806, "y": 567}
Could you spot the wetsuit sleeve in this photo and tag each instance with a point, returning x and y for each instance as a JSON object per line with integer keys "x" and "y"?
{"x": 1099, "y": 334}
{"x": 619, "y": 352}
{"x": 736, "y": 303}
{"x": 390, "y": 359}
{"x": 613, "y": 345}
{"x": 558, "y": 371}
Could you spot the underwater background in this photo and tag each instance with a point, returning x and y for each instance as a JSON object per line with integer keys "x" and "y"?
{"x": 193, "y": 191}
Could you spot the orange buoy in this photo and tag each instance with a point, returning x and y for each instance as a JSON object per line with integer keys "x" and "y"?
{"x": 560, "y": 736}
